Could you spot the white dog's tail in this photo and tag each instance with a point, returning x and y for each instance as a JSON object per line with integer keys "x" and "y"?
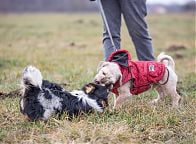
{"x": 166, "y": 60}
{"x": 31, "y": 77}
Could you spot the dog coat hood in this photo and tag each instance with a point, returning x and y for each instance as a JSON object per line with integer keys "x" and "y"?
{"x": 141, "y": 73}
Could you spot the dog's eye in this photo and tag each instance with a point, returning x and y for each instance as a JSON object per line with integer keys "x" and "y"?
{"x": 104, "y": 73}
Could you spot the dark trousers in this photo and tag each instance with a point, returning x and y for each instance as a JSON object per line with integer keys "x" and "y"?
{"x": 134, "y": 12}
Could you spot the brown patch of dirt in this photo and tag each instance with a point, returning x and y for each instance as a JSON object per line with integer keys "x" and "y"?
{"x": 15, "y": 93}
{"x": 176, "y": 47}
{"x": 79, "y": 21}
{"x": 74, "y": 45}
{"x": 179, "y": 56}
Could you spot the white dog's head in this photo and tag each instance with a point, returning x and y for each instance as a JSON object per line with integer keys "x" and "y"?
{"x": 108, "y": 73}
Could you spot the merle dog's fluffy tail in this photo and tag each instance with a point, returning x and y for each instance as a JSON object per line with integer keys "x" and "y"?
{"x": 31, "y": 85}
{"x": 31, "y": 77}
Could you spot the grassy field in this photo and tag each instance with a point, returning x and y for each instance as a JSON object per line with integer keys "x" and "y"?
{"x": 67, "y": 49}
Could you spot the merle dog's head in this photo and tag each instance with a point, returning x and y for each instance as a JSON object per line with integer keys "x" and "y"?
{"x": 97, "y": 92}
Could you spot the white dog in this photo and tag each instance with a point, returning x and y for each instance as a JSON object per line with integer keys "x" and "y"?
{"x": 110, "y": 73}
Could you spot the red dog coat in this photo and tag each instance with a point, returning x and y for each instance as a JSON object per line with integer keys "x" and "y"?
{"x": 141, "y": 73}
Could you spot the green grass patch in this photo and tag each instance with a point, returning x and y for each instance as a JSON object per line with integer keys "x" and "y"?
{"x": 67, "y": 49}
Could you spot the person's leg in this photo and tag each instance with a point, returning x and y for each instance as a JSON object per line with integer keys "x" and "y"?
{"x": 134, "y": 12}
{"x": 112, "y": 11}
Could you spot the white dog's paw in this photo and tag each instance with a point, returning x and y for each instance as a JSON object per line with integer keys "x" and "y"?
{"x": 153, "y": 102}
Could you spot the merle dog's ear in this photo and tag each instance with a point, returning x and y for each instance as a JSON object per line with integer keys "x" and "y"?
{"x": 89, "y": 88}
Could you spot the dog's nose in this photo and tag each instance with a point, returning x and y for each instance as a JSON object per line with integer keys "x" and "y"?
{"x": 96, "y": 82}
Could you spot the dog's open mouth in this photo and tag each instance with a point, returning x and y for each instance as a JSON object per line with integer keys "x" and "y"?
{"x": 109, "y": 86}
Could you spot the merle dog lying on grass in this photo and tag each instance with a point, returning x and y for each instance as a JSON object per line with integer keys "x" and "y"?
{"x": 41, "y": 98}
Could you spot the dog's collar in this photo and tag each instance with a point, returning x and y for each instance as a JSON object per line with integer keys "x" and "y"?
{"x": 166, "y": 79}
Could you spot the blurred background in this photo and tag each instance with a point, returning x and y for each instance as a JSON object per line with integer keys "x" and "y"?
{"x": 154, "y": 6}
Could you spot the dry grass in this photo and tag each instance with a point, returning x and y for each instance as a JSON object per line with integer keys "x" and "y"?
{"x": 67, "y": 49}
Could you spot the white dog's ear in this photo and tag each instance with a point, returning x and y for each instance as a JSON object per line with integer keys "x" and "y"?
{"x": 120, "y": 80}
{"x": 101, "y": 64}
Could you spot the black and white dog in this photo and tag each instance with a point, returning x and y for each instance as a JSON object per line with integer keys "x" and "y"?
{"x": 41, "y": 98}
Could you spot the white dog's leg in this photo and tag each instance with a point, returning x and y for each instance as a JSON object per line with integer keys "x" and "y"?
{"x": 174, "y": 95}
{"x": 120, "y": 100}
{"x": 175, "y": 99}
{"x": 170, "y": 88}
{"x": 124, "y": 94}
{"x": 160, "y": 95}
